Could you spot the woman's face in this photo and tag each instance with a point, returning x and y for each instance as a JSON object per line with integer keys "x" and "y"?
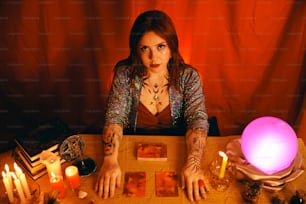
{"x": 154, "y": 52}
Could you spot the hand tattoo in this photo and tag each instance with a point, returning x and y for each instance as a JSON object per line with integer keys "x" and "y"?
{"x": 194, "y": 163}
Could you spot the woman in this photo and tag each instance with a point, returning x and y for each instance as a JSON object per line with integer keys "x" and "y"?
{"x": 154, "y": 89}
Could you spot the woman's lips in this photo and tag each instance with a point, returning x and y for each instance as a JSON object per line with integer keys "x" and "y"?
{"x": 154, "y": 65}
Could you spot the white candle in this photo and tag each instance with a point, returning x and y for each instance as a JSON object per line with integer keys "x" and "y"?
{"x": 224, "y": 163}
{"x": 23, "y": 181}
{"x": 19, "y": 189}
{"x": 8, "y": 176}
{"x": 8, "y": 188}
{"x": 16, "y": 170}
{"x": 53, "y": 164}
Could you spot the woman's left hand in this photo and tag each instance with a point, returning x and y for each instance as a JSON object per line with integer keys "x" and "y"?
{"x": 193, "y": 181}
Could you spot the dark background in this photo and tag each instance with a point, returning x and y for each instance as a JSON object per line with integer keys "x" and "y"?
{"x": 56, "y": 59}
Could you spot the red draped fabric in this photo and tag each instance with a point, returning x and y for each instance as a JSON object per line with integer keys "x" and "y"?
{"x": 56, "y": 58}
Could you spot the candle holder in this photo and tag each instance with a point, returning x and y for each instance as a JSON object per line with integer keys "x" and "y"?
{"x": 57, "y": 185}
{"x": 221, "y": 183}
{"x": 34, "y": 190}
{"x": 246, "y": 171}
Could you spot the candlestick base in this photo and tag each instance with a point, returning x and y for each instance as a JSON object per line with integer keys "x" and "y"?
{"x": 86, "y": 166}
{"x": 273, "y": 182}
{"x": 220, "y": 184}
{"x": 34, "y": 190}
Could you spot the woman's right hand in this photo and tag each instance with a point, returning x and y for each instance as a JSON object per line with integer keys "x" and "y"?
{"x": 108, "y": 179}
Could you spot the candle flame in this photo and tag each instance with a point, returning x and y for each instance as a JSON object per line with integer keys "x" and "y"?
{"x": 3, "y": 174}
{"x": 14, "y": 176}
{"x": 17, "y": 168}
{"x": 53, "y": 175}
{"x": 222, "y": 154}
{"x": 7, "y": 169}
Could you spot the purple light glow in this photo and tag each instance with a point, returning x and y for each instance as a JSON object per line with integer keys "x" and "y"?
{"x": 269, "y": 144}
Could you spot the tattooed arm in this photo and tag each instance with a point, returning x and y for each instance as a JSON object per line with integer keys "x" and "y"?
{"x": 112, "y": 136}
{"x": 192, "y": 172}
{"x": 110, "y": 173}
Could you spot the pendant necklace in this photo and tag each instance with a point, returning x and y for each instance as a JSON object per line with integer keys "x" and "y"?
{"x": 156, "y": 91}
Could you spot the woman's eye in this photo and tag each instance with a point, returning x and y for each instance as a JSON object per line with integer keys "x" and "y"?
{"x": 144, "y": 48}
{"x": 161, "y": 46}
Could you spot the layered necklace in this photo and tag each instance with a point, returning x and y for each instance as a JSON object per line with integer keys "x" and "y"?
{"x": 156, "y": 90}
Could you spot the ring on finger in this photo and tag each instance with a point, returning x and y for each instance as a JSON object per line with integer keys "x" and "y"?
{"x": 201, "y": 183}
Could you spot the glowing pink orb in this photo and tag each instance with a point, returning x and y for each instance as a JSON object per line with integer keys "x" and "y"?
{"x": 269, "y": 144}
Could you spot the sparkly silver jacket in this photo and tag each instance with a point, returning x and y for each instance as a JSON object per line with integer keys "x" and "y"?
{"x": 187, "y": 106}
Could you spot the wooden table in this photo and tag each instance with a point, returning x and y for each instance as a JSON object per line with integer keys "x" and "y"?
{"x": 176, "y": 158}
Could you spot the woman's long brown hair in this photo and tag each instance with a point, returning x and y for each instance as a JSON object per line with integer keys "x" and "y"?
{"x": 162, "y": 25}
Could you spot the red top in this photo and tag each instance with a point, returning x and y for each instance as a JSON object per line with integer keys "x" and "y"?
{"x": 159, "y": 120}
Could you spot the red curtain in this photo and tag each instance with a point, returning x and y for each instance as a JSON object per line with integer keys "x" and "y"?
{"x": 57, "y": 57}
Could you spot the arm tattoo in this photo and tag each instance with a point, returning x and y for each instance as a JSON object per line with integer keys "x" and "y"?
{"x": 112, "y": 135}
{"x": 109, "y": 145}
{"x": 196, "y": 140}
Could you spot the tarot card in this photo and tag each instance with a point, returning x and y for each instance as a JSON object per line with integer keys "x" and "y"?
{"x": 166, "y": 184}
{"x": 134, "y": 184}
{"x": 152, "y": 151}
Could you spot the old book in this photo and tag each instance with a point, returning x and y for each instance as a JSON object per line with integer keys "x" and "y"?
{"x": 34, "y": 172}
{"x": 26, "y": 159}
{"x": 47, "y": 136}
{"x": 152, "y": 151}
{"x": 33, "y": 175}
{"x": 134, "y": 184}
{"x": 26, "y": 163}
{"x": 166, "y": 184}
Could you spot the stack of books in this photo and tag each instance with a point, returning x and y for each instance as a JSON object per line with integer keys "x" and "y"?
{"x": 47, "y": 136}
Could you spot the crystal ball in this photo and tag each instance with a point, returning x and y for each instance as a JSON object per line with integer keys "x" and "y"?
{"x": 269, "y": 144}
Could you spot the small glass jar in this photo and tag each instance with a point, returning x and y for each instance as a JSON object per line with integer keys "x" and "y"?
{"x": 251, "y": 191}
{"x": 217, "y": 182}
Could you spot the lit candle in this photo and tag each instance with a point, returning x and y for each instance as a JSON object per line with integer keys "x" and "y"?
{"x": 57, "y": 184}
{"x": 224, "y": 163}
{"x": 16, "y": 170}
{"x": 8, "y": 175}
{"x": 53, "y": 164}
{"x": 72, "y": 176}
{"x": 8, "y": 188}
{"x": 19, "y": 189}
{"x": 23, "y": 180}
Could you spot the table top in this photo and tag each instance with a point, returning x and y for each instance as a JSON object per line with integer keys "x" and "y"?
{"x": 176, "y": 158}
